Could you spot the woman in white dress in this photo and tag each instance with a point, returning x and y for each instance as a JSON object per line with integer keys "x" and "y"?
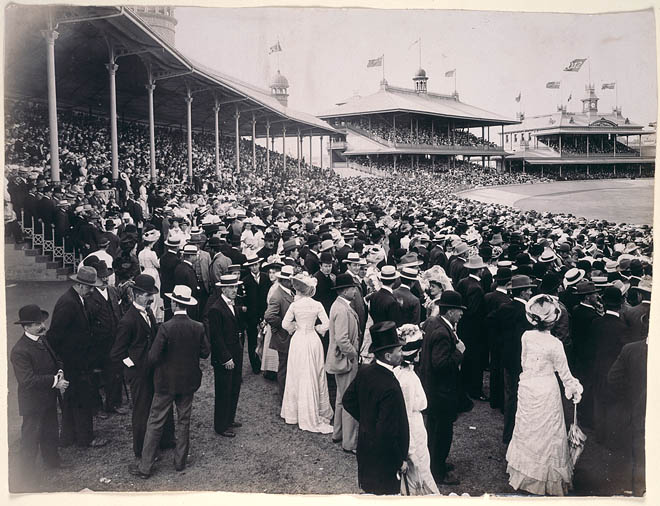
{"x": 306, "y": 400}
{"x": 419, "y": 460}
{"x": 538, "y": 456}
{"x": 149, "y": 264}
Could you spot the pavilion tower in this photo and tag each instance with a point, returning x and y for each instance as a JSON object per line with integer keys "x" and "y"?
{"x": 160, "y": 19}
{"x": 420, "y": 80}
{"x": 279, "y": 88}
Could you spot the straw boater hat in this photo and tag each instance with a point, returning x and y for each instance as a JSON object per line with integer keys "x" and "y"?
{"x": 229, "y": 280}
{"x": 183, "y": 295}
{"x": 572, "y": 276}
{"x": 388, "y": 272}
{"x": 252, "y": 259}
{"x": 86, "y": 276}
{"x": 173, "y": 242}
{"x": 286, "y": 272}
{"x": 354, "y": 258}
{"x": 542, "y": 308}
{"x": 410, "y": 273}
{"x": 31, "y": 314}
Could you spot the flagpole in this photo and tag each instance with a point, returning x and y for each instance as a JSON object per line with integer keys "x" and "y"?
{"x": 420, "y": 52}
{"x": 589, "y": 60}
{"x": 455, "y": 72}
{"x": 616, "y": 94}
{"x": 383, "y": 66}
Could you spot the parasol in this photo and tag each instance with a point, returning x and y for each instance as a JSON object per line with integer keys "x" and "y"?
{"x": 576, "y": 438}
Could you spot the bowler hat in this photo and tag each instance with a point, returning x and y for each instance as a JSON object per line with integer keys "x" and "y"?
{"x": 344, "y": 280}
{"x": 145, "y": 283}
{"x": 384, "y": 336}
{"x": 451, "y": 299}
{"x": 326, "y": 257}
{"x": 313, "y": 239}
{"x": 612, "y": 296}
{"x": 214, "y": 242}
{"x": 31, "y": 314}
{"x": 503, "y": 274}
{"x": 86, "y": 275}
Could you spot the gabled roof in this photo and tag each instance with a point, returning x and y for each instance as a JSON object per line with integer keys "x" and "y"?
{"x": 569, "y": 122}
{"x": 394, "y": 99}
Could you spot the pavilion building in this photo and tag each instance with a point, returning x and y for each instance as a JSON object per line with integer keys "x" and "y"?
{"x": 566, "y": 143}
{"x": 407, "y": 128}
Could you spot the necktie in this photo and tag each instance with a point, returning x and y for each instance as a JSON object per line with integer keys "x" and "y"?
{"x": 145, "y": 315}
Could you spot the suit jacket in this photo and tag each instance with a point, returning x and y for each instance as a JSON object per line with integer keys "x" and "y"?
{"x": 104, "y": 316}
{"x": 637, "y": 318}
{"x": 439, "y": 366}
{"x": 580, "y": 324}
{"x": 35, "y": 365}
{"x": 69, "y": 334}
{"x": 375, "y": 400}
{"x": 384, "y": 307}
{"x": 359, "y": 305}
{"x": 224, "y": 333}
{"x": 627, "y": 378}
{"x": 410, "y": 306}
{"x": 184, "y": 274}
{"x": 219, "y": 265}
{"x": 168, "y": 263}
{"x": 471, "y": 326}
{"x": 312, "y": 263}
{"x": 344, "y": 347}
{"x": 277, "y": 307}
{"x": 324, "y": 292}
{"x": 134, "y": 338}
{"x": 608, "y": 335}
{"x": 175, "y": 354}
{"x": 511, "y": 324}
{"x": 255, "y": 299}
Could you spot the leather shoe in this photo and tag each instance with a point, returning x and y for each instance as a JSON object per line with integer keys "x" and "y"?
{"x": 189, "y": 462}
{"x": 228, "y": 433}
{"x": 135, "y": 471}
{"x": 236, "y": 424}
{"x": 354, "y": 452}
{"x": 336, "y": 440}
{"x": 98, "y": 442}
{"x": 449, "y": 479}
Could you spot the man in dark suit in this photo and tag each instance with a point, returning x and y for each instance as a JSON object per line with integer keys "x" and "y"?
{"x": 312, "y": 259}
{"x": 225, "y": 324}
{"x": 184, "y": 274}
{"x": 511, "y": 322}
{"x": 382, "y": 304}
{"x": 410, "y": 304}
{"x": 492, "y": 302}
{"x": 441, "y": 356}
{"x": 277, "y": 307}
{"x": 135, "y": 334}
{"x": 627, "y": 378}
{"x": 70, "y": 336}
{"x": 256, "y": 306}
{"x": 637, "y": 317}
{"x": 104, "y": 315}
{"x": 325, "y": 280}
{"x": 471, "y": 329}
{"x": 375, "y": 400}
{"x": 168, "y": 262}
{"x": 175, "y": 354}
{"x": 40, "y": 376}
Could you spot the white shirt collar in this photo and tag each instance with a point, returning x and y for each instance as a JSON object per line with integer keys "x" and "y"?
{"x": 103, "y": 292}
{"x": 229, "y": 302}
{"x": 447, "y": 322}
{"x": 142, "y": 309}
{"x": 613, "y": 313}
{"x": 646, "y": 302}
{"x": 501, "y": 289}
{"x": 388, "y": 288}
{"x": 180, "y": 311}
{"x": 475, "y": 277}
{"x": 587, "y": 305}
{"x": 523, "y": 301}
{"x": 386, "y": 366}
{"x": 344, "y": 299}
{"x": 31, "y": 336}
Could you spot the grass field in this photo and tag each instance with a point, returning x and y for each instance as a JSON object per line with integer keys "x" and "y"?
{"x": 618, "y": 200}
{"x": 267, "y": 455}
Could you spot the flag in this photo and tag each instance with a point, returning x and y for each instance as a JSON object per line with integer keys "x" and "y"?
{"x": 450, "y": 73}
{"x": 552, "y": 84}
{"x": 518, "y": 97}
{"x": 376, "y": 62}
{"x": 608, "y": 86}
{"x": 575, "y": 65}
{"x": 276, "y": 48}
{"x": 570, "y": 96}
{"x": 411, "y": 45}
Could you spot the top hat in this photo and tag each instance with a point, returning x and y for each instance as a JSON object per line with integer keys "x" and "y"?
{"x": 31, "y": 314}
{"x": 183, "y": 295}
{"x": 384, "y": 336}
{"x": 87, "y": 276}
{"x": 344, "y": 280}
{"x": 145, "y": 283}
{"x": 451, "y": 299}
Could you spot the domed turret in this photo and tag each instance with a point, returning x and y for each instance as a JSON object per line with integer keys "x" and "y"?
{"x": 161, "y": 20}
{"x": 420, "y": 79}
{"x": 279, "y": 88}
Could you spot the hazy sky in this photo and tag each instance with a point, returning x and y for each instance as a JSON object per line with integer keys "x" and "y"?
{"x": 496, "y": 54}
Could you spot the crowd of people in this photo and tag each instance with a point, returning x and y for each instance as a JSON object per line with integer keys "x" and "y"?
{"x": 421, "y": 134}
{"x": 597, "y": 145}
{"x": 401, "y": 294}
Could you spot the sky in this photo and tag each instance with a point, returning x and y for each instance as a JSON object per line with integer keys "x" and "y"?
{"x": 496, "y": 54}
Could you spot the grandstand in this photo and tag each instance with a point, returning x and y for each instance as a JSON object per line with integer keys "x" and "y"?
{"x": 109, "y": 61}
{"x": 579, "y": 145}
{"x": 412, "y": 128}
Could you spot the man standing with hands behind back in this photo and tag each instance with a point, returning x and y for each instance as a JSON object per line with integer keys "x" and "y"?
{"x": 375, "y": 400}
{"x": 39, "y": 375}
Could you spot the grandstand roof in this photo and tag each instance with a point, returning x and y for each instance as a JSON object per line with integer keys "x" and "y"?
{"x": 577, "y": 123}
{"x": 82, "y": 50}
{"x": 394, "y": 99}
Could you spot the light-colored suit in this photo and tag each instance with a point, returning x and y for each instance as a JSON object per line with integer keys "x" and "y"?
{"x": 342, "y": 361}
{"x": 278, "y": 305}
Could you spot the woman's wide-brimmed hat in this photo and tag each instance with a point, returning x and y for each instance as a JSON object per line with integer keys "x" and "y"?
{"x": 183, "y": 295}
{"x": 151, "y": 236}
{"x": 384, "y": 336}
{"x": 412, "y": 336}
{"x": 31, "y": 314}
{"x": 86, "y": 276}
{"x": 304, "y": 284}
{"x": 229, "y": 280}
{"x": 542, "y": 309}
